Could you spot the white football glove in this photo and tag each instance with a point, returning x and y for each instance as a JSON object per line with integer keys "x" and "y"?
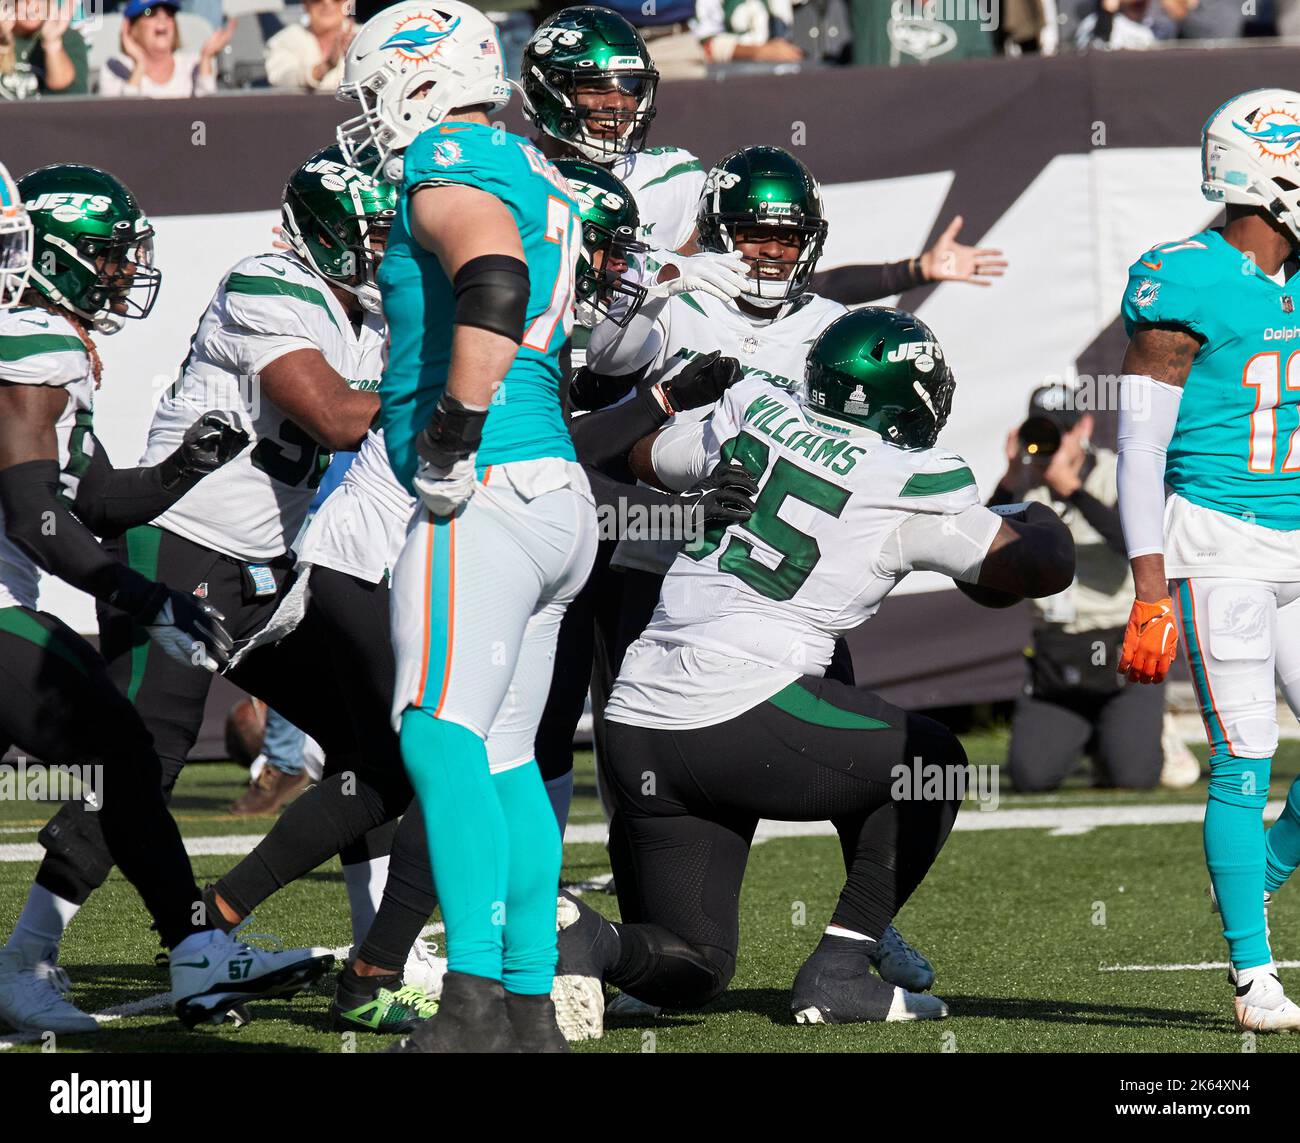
{"x": 444, "y": 491}
{"x": 722, "y": 275}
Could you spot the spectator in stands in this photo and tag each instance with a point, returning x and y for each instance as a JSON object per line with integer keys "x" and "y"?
{"x": 1073, "y": 700}
{"x": 748, "y": 30}
{"x": 153, "y": 63}
{"x": 39, "y": 53}
{"x": 310, "y": 56}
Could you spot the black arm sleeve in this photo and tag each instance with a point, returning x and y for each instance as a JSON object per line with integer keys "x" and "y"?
{"x": 1104, "y": 518}
{"x": 111, "y": 500}
{"x": 38, "y": 523}
{"x": 591, "y": 390}
{"x": 608, "y": 491}
{"x": 853, "y": 285}
{"x": 609, "y": 434}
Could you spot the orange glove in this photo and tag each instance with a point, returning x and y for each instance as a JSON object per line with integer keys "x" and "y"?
{"x": 1150, "y": 641}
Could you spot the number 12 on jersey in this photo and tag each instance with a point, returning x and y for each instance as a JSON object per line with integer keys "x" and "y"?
{"x": 1264, "y": 374}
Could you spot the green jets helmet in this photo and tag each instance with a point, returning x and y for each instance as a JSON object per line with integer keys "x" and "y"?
{"x": 881, "y": 370}
{"x": 609, "y": 244}
{"x": 593, "y": 53}
{"x": 760, "y": 187}
{"x": 336, "y": 219}
{"x": 92, "y": 250}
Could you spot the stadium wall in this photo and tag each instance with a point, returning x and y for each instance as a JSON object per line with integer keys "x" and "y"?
{"x": 1073, "y": 166}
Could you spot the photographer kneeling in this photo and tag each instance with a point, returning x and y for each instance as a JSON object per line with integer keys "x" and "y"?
{"x": 1073, "y": 700}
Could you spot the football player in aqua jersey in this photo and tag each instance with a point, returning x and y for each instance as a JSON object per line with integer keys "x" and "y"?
{"x": 725, "y": 699}
{"x": 1210, "y": 406}
{"x": 477, "y": 285}
{"x": 15, "y": 242}
{"x": 92, "y": 270}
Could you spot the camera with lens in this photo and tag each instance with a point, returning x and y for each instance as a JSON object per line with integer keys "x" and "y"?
{"x": 1052, "y": 413}
{"x": 1039, "y": 438}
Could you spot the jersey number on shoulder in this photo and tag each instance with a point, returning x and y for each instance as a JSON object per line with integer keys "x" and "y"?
{"x": 565, "y": 230}
{"x": 799, "y": 551}
{"x": 1264, "y": 374}
{"x": 309, "y": 465}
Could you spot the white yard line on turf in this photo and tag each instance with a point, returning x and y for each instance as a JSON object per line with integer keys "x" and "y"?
{"x": 1201, "y": 967}
{"x": 1059, "y": 821}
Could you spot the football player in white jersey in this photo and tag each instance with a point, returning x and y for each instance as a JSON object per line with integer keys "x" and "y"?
{"x": 93, "y": 269}
{"x": 291, "y": 342}
{"x": 724, "y": 697}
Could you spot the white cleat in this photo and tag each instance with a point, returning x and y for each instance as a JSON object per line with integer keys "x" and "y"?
{"x": 1261, "y": 1006}
{"x": 34, "y": 995}
{"x": 424, "y": 968}
{"x": 899, "y": 963}
{"x": 213, "y": 973}
{"x": 578, "y": 991}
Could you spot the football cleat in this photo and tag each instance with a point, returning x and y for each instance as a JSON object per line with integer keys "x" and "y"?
{"x": 836, "y": 986}
{"x": 532, "y": 1019}
{"x": 34, "y": 995}
{"x": 471, "y": 1018}
{"x": 622, "y": 1006}
{"x": 212, "y": 978}
{"x": 1181, "y": 768}
{"x": 424, "y": 969}
{"x": 899, "y": 963}
{"x": 1260, "y": 1005}
{"x": 579, "y": 987}
{"x": 384, "y": 1011}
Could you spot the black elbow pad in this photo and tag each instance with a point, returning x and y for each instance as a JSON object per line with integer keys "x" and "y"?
{"x": 492, "y": 294}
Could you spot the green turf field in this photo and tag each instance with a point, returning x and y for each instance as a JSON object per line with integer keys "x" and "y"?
{"x": 1019, "y": 922}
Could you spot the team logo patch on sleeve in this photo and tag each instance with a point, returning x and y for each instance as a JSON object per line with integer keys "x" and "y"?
{"x": 447, "y": 153}
{"x": 1145, "y": 293}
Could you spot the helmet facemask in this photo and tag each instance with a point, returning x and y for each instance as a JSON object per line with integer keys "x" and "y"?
{"x": 601, "y": 283}
{"x": 123, "y": 268}
{"x": 774, "y": 281}
{"x": 600, "y": 134}
{"x": 367, "y": 140}
{"x": 15, "y": 256}
{"x": 347, "y": 254}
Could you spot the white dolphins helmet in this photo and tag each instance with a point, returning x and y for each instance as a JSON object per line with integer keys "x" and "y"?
{"x": 15, "y": 242}
{"x": 409, "y": 67}
{"x": 1250, "y": 154}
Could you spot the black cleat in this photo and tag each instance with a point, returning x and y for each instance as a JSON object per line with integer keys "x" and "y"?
{"x": 533, "y": 1020}
{"x": 587, "y": 942}
{"x": 836, "y": 986}
{"x": 472, "y": 1018}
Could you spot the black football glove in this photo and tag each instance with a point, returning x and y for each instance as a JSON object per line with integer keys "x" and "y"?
{"x": 701, "y": 382}
{"x": 725, "y": 496}
{"x": 215, "y": 438}
{"x": 186, "y": 628}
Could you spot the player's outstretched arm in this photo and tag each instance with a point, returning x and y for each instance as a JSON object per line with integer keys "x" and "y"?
{"x": 39, "y": 524}
{"x": 1156, "y": 366}
{"x": 1032, "y": 553}
{"x": 474, "y": 237}
{"x": 318, "y": 399}
{"x": 110, "y": 500}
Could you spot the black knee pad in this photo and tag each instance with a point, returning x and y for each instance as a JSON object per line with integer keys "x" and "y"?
{"x": 77, "y": 861}
{"x": 685, "y": 975}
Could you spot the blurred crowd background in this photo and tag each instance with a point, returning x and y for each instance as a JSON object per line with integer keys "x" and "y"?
{"x": 181, "y": 48}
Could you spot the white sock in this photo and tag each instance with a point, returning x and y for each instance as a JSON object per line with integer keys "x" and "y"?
{"x": 840, "y": 931}
{"x": 1247, "y": 976}
{"x": 44, "y": 918}
{"x": 365, "y": 882}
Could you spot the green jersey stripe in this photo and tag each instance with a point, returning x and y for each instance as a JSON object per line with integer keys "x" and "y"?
{"x": 673, "y": 172}
{"x": 802, "y": 704}
{"x": 21, "y": 623}
{"x": 256, "y": 285}
{"x": 690, "y": 301}
{"x": 937, "y": 483}
{"x": 142, "y": 545}
{"x": 15, "y": 347}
